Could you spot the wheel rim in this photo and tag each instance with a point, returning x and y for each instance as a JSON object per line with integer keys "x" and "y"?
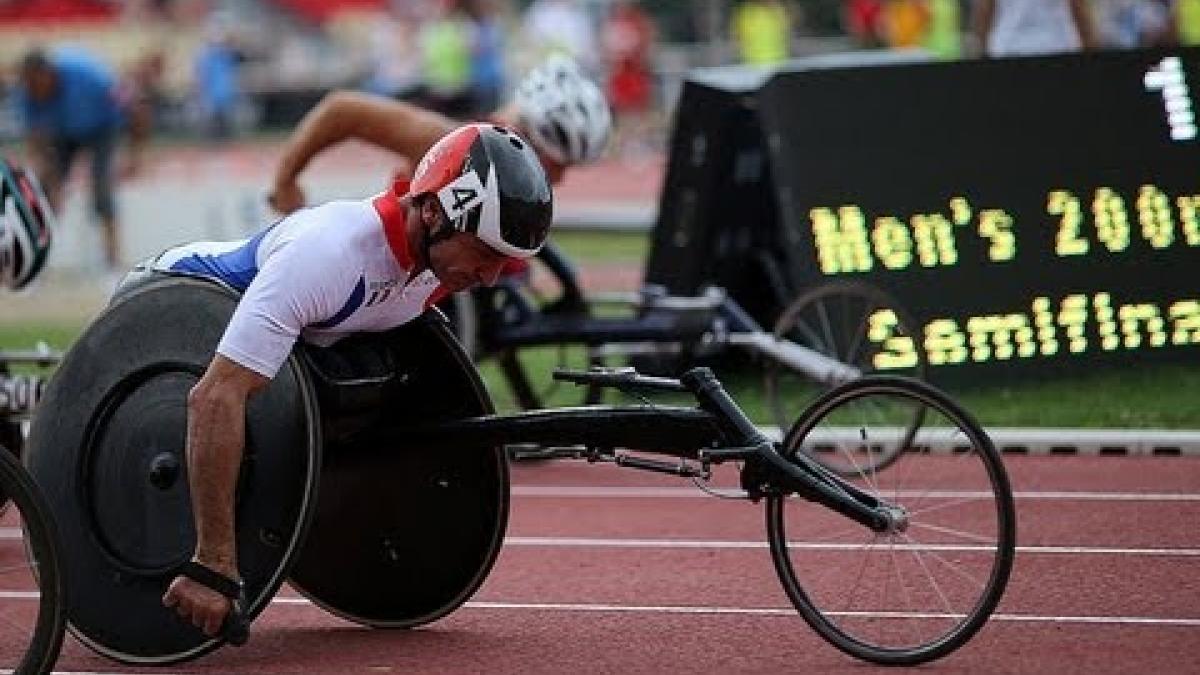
{"x": 921, "y": 590}
{"x": 32, "y": 620}
{"x": 855, "y": 324}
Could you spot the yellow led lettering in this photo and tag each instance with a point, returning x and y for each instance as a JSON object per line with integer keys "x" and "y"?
{"x": 893, "y": 245}
{"x": 1047, "y": 332}
{"x": 1133, "y": 317}
{"x": 1185, "y": 322}
{"x": 841, "y": 240}
{"x": 1000, "y": 336}
{"x": 1067, "y": 242}
{"x": 1105, "y": 324}
{"x": 996, "y": 225}
{"x": 935, "y": 240}
{"x": 1112, "y": 222}
{"x": 1188, "y": 220}
{"x": 895, "y": 351}
{"x": 944, "y": 343}
{"x": 1154, "y": 215}
{"x": 960, "y": 211}
{"x": 1072, "y": 315}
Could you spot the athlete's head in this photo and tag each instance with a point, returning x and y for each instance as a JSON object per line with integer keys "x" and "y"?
{"x": 26, "y": 223}
{"x": 564, "y": 113}
{"x": 482, "y": 197}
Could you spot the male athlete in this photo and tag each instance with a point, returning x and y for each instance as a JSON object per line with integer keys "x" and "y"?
{"x": 478, "y": 198}
{"x": 555, "y": 106}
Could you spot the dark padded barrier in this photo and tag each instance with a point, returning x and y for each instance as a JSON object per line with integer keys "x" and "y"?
{"x": 402, "y": 534}
{"x": 107, "y": 447}
{"x": 719, "y": 219}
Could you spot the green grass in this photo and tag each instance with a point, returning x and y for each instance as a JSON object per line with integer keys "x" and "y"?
{"x": 593, "y": 246}
{"x": 1160, "y": 396}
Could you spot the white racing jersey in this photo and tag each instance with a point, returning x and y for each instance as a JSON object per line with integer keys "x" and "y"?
{"x": 319, "y": 274}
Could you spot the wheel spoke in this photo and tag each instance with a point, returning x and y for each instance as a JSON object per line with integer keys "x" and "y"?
{"x": 950, "y": 565}
{"x": 969, "y": 536}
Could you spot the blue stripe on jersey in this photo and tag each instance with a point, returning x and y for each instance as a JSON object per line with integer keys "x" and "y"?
{"x": 352, "y": 303}
{"x": 236, "y": 268}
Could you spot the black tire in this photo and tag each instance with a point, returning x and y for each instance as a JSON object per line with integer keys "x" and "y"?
{"x": 961, "y": 479}
{"x": 833, "y": 319}
{"x": 41, "y": 551}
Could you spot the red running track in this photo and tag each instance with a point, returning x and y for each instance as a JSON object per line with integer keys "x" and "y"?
{"x": 609, "y": 570}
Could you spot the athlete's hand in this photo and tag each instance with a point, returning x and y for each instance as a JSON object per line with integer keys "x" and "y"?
{"x": 286, "y": 197}
{"x": 198, "y": 604}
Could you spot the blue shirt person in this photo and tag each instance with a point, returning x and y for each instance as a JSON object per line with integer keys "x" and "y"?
{"x": 68, "y": 101}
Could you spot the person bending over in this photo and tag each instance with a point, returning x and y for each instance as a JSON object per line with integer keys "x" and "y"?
{"x": 478, "y": 198}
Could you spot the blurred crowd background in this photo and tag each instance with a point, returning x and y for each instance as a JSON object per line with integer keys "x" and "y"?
{"x": 216, "y": 69}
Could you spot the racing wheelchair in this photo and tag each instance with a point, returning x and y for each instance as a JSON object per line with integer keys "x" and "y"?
{"x": 398, "y": 432}
{"x": 822, "y": 336}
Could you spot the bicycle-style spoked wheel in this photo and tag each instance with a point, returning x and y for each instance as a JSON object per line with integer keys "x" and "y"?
{"x": 854, "y": 323}
{"x": 32, "y": 618}
{"x": 923, "y": 588}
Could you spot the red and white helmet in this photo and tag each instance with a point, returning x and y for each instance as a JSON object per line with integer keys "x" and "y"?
{"x": 26, "y": 224}
{"x": 490, "y": 183}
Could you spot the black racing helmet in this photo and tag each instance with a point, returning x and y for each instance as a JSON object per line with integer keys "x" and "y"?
{"x": 490, "y": 183}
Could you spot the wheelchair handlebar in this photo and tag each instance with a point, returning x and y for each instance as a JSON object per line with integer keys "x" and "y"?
{"x": 619, "y": 377}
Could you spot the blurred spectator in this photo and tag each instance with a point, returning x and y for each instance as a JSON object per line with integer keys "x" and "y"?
{"x": 862, "y": 21}
{"x": 762, "y": 30}
{"x": 628, "y": 37}
{"x": 944, "y": 35}
{"x": 445, "y": 41}
{"x": 1129, "y": 24}
{"x": 487, "y": 55}
{"x": 1017, "y": 27}
{"x": 393, "y": 72}
{"x": 561, "y": 27}
{"x": 1186, "y": 17}
{"x": 141, "y": 97}
{"x": 69, "y": 101}
{"x": 905, "y": 23}
{"x": 217, "y": 88}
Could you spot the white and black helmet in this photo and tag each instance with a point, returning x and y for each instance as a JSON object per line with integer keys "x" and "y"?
{"x": 26, "y": 224}
{"x": 564, "y": 113}
{"x": 489, "y": 183}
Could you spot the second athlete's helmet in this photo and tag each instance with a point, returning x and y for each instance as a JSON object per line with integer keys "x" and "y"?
{"x": 489, "y": 182}
{"x": 26, "y": 224}
{"x": 563, "y": 111}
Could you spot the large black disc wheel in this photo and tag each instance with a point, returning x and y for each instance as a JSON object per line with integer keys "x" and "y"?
{"x": 921, "y": 588}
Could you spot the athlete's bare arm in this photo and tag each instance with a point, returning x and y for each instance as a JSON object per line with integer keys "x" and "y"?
{"x": 216, "y": 436}
{"x": 400, "y": 127}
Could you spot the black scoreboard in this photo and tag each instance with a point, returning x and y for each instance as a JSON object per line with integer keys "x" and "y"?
{"x": 1034, "y": 214}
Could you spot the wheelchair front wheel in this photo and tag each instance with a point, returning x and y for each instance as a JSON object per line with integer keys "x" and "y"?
{"x": 925, "y": 587}
{"x": 32, "y": 614}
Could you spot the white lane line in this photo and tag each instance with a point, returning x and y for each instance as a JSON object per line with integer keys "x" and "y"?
{"x": 571, "y": 542}
{"x": 789, "y": 611}
{"x": 686, "y": 492}
{"x": 758, "y": 611}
